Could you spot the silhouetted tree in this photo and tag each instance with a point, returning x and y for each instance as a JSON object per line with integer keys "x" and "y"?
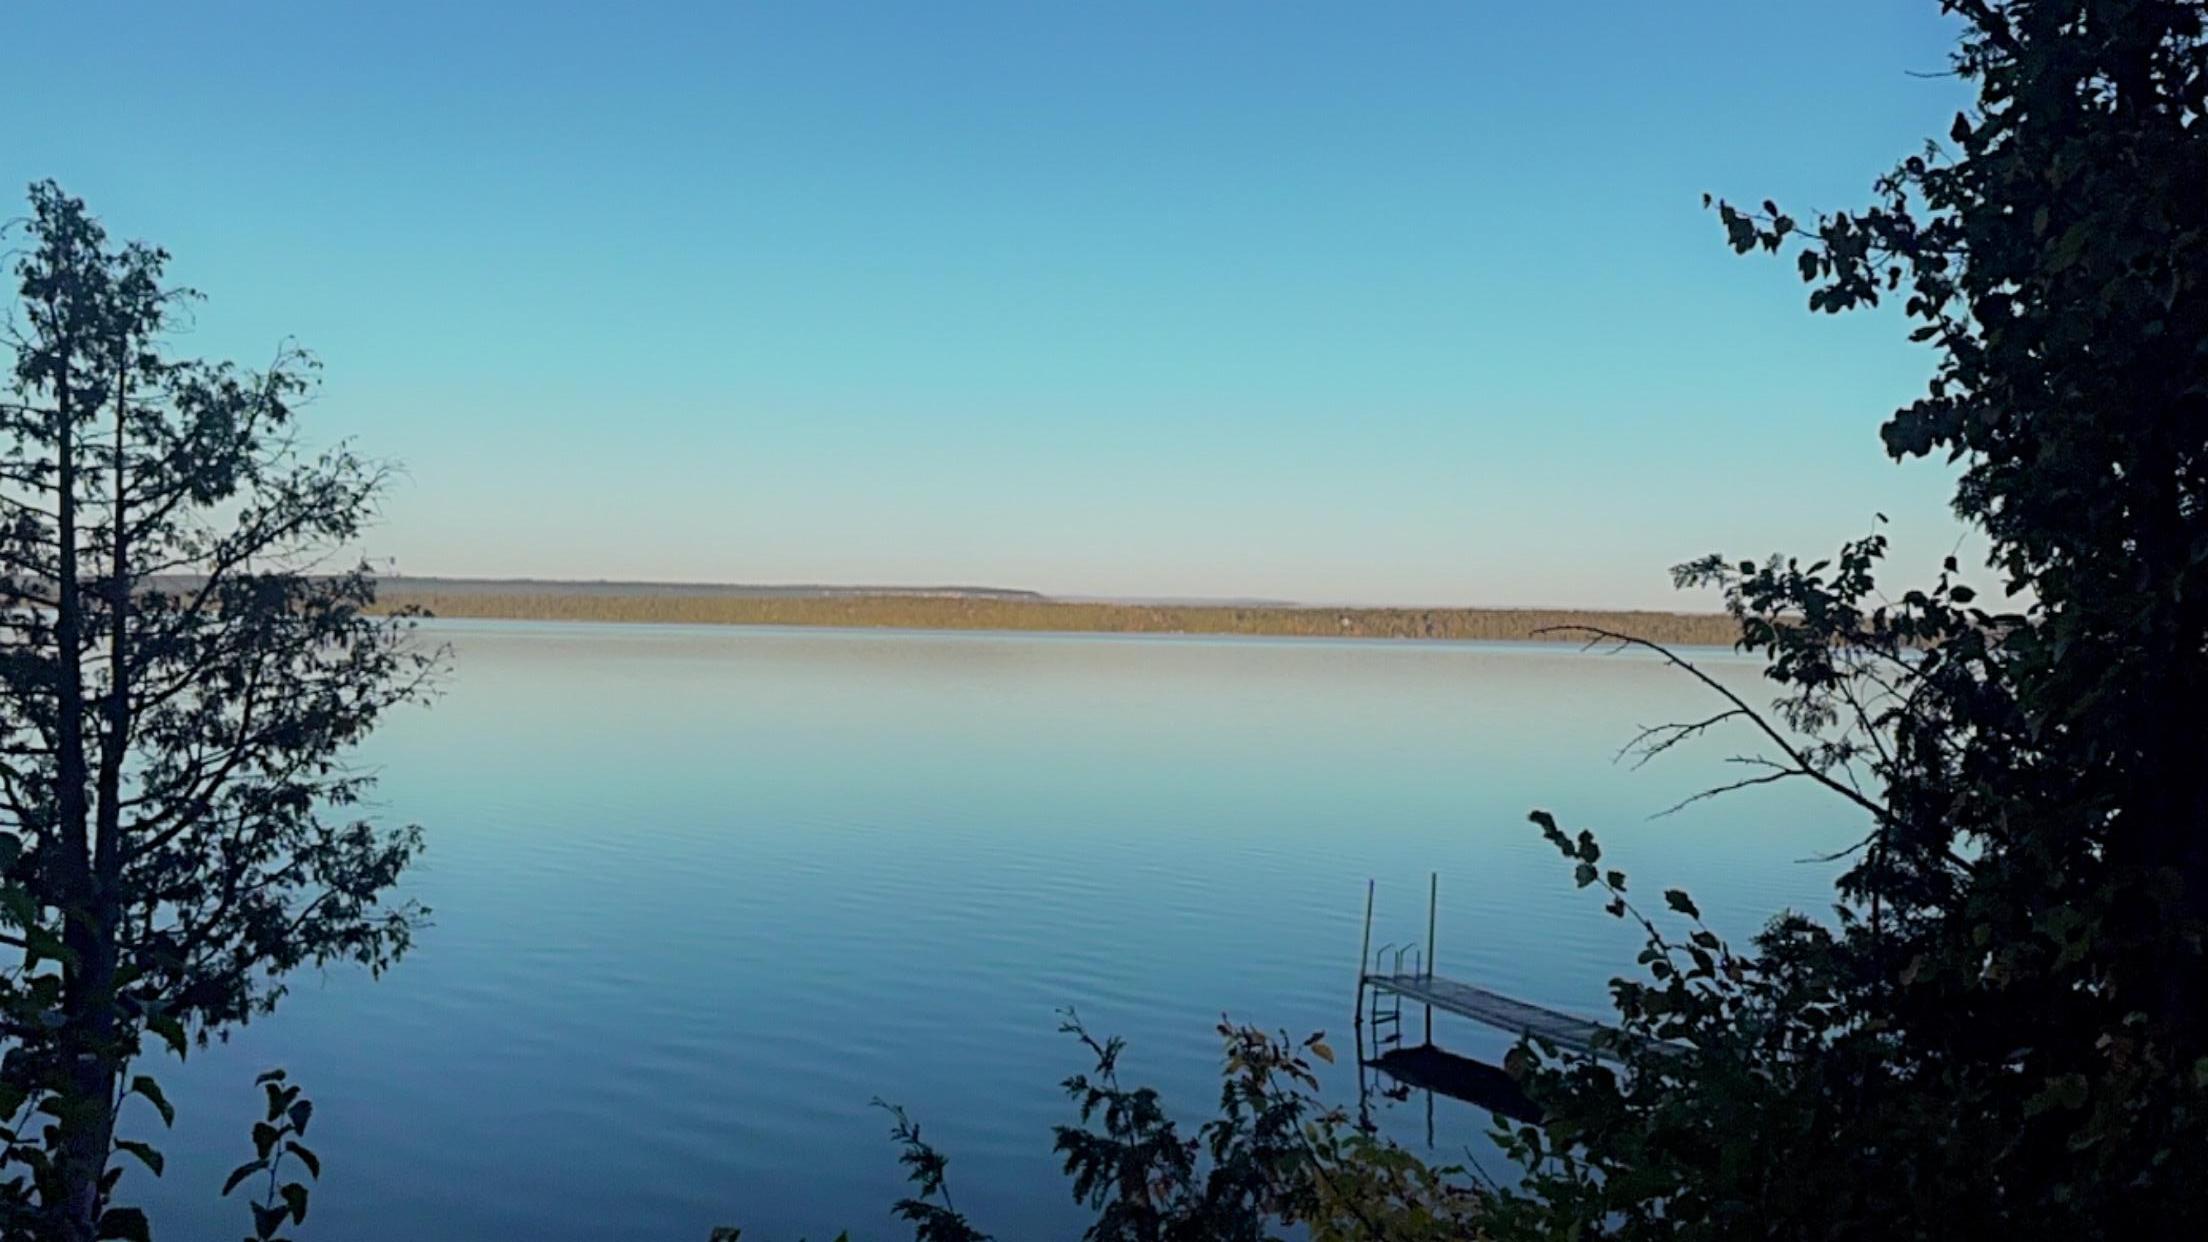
{"x": 2006, "y": 1034}
{"x": 179, "y": 684}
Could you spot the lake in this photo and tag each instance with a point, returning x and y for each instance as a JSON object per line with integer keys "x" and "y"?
{"x": 701, "y": 894}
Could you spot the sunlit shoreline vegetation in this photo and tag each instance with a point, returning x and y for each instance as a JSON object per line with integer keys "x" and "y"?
{"x": 960, "y": 612}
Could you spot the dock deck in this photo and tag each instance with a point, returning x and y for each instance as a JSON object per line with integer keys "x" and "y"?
{"x": 1504, "y": 1013}
{"x": 1403, "y": 973}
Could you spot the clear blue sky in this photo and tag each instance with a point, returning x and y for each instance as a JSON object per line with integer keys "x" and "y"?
{"x": 1403, "y": 302}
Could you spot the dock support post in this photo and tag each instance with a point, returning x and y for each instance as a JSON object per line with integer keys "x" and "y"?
{"x": 1433, "y": 902}
{"x": 1364, "y": 956}
{"x": 1433, "y": 899}
{"x": 1357, "y": 1015}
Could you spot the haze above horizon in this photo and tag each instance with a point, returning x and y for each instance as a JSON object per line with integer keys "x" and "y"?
{"x": 1414, "y": 305}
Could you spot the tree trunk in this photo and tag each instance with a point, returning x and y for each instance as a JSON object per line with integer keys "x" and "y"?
{"x": 88, "y": 1130}
{"x": 86, "y": 1126}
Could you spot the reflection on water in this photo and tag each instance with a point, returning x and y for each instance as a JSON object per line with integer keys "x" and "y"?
{"x": 701, "y": 894}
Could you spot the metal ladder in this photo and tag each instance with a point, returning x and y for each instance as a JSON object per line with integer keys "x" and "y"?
{"x": 1385, "y": 1014}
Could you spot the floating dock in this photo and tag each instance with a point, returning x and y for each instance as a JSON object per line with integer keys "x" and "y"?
{"x": 1397, "y": 974}
{"x": 1513, "y": 1017}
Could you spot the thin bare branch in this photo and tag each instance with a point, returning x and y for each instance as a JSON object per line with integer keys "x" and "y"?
{"x": 1768, "y": 778}
{"x": 1755, "y": 717}
{"x": 1668, "y": 736}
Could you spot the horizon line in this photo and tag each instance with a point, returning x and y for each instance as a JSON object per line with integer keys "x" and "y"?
{"x": 940, "y": 589}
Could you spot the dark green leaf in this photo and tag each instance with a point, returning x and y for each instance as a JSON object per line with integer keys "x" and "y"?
{"x": 242, "y": 1172}
{"x": 127, "y": 1223}
{"x": 40, "y": 944}
{"x": 171, "y": 1032}
{"x": 147, "y": 1087}
{"x": 147, "y": 1155}
{"x": 17, "y": 907}
{"x": 279, "y": 1099}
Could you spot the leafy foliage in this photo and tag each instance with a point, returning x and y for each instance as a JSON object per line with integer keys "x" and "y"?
{"x": 277, "y": 1138}
{"x": 1271, "y": 1164}
{"x": 2003, "y": 1033}
{"x": 933, "y": 1216}
{"x": 181, "y": 677}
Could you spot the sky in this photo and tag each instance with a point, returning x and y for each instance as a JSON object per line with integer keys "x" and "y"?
{"x": 1380, "y": 303}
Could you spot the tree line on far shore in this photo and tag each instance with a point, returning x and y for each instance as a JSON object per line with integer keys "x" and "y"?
{"x": 952, "y": 612}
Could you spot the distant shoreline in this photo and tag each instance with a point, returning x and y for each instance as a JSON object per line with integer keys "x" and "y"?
{"x": 982, "y": 609}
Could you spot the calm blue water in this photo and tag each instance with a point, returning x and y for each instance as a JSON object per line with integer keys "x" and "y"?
{"x": 701, "y": 894}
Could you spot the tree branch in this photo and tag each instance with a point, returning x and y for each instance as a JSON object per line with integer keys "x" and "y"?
{"x": 1764, "y": 726}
